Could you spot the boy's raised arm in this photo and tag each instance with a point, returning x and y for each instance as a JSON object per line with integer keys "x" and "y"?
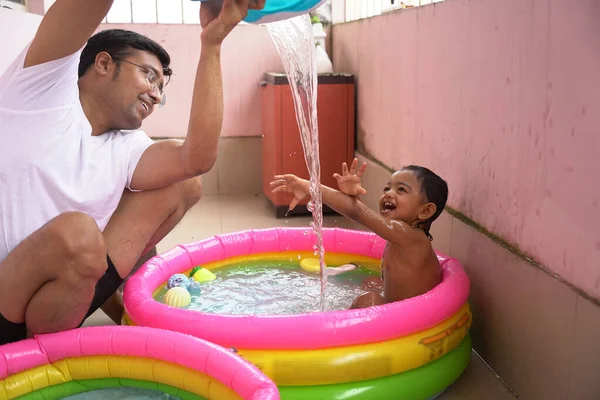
{"x": 397, "y": 232}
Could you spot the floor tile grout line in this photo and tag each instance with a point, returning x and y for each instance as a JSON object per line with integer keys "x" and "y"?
{"x": 496, "y": 374}
{"x": 572, "y": 347}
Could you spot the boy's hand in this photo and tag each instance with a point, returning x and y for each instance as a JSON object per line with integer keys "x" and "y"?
{"x": 349, "y": 182}
{"x": 289, "y": 183}
{"x": 218, "y": 21}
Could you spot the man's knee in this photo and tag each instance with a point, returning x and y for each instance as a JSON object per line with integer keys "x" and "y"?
{"x": 78, "y": 238}
{"x": 191, "y": 191}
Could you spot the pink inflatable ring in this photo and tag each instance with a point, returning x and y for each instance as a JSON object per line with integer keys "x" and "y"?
{"x": 305, "y": 331}
{"x": 54, "y": 366}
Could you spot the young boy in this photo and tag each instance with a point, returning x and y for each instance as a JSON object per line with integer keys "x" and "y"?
{"x": 412, "y": 199}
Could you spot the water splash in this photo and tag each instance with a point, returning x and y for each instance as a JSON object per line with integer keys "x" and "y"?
{"x": 295, "y": 43}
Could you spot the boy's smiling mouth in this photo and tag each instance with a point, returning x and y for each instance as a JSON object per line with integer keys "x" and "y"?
{"x": 387, "y": 206}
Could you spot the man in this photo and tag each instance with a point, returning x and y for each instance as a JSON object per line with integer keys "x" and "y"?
{"x": 83, "y": 193}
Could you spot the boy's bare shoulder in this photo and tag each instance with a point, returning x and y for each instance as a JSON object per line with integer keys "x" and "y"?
{"x": 412, "y": 236}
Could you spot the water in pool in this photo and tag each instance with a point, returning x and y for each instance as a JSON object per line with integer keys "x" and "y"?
{"x": 122, "y": 393}
{"x": 274, "y": 287}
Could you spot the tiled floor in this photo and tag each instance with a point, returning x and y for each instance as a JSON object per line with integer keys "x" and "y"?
{"x": 223, "y": 214}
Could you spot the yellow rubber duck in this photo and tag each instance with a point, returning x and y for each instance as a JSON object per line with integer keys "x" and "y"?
{"x": 310, "y": 265}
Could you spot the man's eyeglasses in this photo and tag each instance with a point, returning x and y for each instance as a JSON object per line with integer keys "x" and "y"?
{"x": 153, "y": 80}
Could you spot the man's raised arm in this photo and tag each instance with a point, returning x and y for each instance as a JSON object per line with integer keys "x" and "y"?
{"x": 65, "y": 28}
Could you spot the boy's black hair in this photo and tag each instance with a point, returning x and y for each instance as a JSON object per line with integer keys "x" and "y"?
{"x": 435, "y": 190}
{"x": 119, "y": 43}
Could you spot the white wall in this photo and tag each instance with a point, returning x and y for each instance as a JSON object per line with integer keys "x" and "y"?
{"x": 19, "y": 27}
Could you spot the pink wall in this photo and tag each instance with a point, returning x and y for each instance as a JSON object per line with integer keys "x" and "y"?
{"x": 21, "y": 28}
{"x": 247, "y": 54}
{"x": 502, "y": 98}
{"x": 36, "y": 6}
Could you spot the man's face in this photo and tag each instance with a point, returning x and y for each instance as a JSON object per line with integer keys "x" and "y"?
{"x": 138, "y": 87}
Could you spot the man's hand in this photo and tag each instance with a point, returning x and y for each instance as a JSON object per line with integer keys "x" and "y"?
{"x": 289, "y": 183}
{"x": 349, "y": 182}
{"x": 217, "y": 21}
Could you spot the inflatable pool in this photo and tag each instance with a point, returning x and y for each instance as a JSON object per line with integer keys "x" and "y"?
{"x": 277, "y": 10}
{"x": 412, "y": 349}
{"x": 90, "y": 360}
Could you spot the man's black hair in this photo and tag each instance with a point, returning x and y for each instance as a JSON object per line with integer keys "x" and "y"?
{"x": 119, "y": 44}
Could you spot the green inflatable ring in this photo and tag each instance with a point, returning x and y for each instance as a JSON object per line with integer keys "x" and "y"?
{"x": 421, "y": 383}
{"x": 72, "y": 388}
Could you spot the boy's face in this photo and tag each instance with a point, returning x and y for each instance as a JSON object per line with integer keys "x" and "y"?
{"x": 402, "y": 198}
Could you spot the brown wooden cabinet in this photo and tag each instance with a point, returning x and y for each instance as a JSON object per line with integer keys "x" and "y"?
{"x": 282, "y": 146}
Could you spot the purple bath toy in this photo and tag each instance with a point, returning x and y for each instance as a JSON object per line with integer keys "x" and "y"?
{"x": 178, "y": 280}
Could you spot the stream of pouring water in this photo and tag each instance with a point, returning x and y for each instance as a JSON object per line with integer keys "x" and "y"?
{"x": 295, "y": 44}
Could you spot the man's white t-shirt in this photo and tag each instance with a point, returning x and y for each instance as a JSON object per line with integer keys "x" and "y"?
{"x": 49, "y": 161}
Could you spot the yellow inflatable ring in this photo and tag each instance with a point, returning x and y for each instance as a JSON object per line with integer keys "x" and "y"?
{"x": 361, "y": 362}
{"x": 111, "y": 367}
{"x": 58, "y": 365}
